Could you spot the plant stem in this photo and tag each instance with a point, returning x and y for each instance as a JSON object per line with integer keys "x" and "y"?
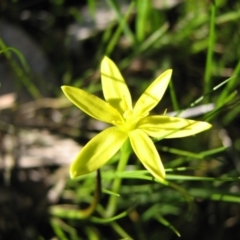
{"x": 125, "y": 153}
{"x": 209, "y": 61}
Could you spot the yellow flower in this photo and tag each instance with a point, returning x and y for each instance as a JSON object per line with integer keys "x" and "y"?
{"x": 129, "y": 122}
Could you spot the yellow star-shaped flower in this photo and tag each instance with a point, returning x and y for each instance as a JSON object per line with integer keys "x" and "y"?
{"x": 129, "y": 122}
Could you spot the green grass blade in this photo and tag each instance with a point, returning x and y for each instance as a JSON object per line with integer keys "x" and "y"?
{"x": 208, "y": 194}
{"x": 141, "y": 20}
{"x": 209, "y": 61}
{"x": 117, "y": 34}
{"x": 92, "y": 7}
{"x": 230, "y": 85}
{"x": 166, "y": 223}
{"x": 114, "y": 5}
{"x": 20, "y": 73}
{"x": 173, "y": 96}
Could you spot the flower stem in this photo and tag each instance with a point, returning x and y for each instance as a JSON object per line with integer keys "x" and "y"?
{"x": 112, "y": 203}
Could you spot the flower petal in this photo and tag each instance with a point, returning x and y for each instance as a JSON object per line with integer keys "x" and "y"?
{"x": 153, "y": 94}
{"x": 97, "y": 151}
{"x": 115, "y": 90}
{"x": 171, "y": 127}
{"x": 92, "y": 105}
{"x": 147, "y": 153}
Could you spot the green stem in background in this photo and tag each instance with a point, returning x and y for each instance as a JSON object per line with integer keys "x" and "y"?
{"x": 60, "y": 211}
{"x": 22, "y": 72}
{"x": 142, "y": 10}
{"x": 209, "y": 61}
{"x": 125, "y": 153}
{"x": 92, "y": 8}
{"x": 231, "y": 85}
{"x": 184, "y": 193}
{"x": 115, "y": 37}
{"x": 113, "y": 4}
{"x": 173, "y": 96}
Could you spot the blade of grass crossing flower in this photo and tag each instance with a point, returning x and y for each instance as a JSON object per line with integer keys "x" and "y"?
{"x": 171, "y": 127}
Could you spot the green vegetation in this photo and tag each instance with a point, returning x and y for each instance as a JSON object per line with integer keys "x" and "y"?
{"x": 199, "y": 40}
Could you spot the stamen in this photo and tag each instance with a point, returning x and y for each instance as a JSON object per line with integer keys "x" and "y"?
{"x": 116, "y": 123}
{"x": 124, "y": 103}
{"x": 127, "y": 114}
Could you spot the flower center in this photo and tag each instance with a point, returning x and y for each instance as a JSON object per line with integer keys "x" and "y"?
{"x": 130, "y": 117}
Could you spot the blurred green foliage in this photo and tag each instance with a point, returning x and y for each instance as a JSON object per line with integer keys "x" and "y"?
{"x": 199, "y": 40}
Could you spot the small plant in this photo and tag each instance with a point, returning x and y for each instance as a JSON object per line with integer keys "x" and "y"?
{"x": 133, "y": 129}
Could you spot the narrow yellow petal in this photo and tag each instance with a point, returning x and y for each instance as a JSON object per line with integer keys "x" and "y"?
{"x": 147, "y": 153}
{"x": 115, "y": 90}
{"x": 97, "y": 151}
{"x": 171, "y": 127}
{"x": 153, "y": 94}
{"x": 92, "y": 105}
